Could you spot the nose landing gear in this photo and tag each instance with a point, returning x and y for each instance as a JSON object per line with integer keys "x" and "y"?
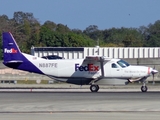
{"x": 144, "y": 87}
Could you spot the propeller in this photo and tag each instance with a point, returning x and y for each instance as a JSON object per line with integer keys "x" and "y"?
{"x": 154, "y": 71}
{"x": 153, "y": 79}
{"x": 153, "y": 75}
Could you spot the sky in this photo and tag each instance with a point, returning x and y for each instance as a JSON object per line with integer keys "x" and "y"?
{"x": 80, "y": 14}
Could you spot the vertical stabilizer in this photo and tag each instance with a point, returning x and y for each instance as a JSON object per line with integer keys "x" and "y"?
{"x": 11, "y": 51}
{"x": 14, "y": 58}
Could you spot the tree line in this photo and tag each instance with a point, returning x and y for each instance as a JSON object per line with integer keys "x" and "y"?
{"x": 28, "y": 32}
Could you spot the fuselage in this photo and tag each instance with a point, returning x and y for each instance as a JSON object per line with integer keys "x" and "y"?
{"x": 115, "y": 68}
{"x": 79, "y": 71}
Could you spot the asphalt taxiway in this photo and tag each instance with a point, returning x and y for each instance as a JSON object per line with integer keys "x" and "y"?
{"x": 79, "y": 105}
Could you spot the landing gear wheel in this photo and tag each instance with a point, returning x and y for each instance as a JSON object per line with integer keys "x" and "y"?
{"x": 94, "y": 88}
{"x": 97, "y": 87}
{"x": 144, "y": 88}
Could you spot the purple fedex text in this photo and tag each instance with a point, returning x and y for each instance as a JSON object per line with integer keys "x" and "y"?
{"x": 89, "y": 67}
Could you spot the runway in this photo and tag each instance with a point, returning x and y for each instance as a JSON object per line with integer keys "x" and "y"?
{"x": 79, "y": 105}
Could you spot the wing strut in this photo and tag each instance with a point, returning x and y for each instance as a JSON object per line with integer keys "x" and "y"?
{"x": 102, "y": 60}
{"x": 101, "y": 65}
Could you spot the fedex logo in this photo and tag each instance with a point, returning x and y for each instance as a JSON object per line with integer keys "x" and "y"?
{"x": 89, "y": 67}
{"x": 12, "y": 50}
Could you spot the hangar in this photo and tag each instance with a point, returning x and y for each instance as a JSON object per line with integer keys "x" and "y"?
{"x": 112, "y": 52}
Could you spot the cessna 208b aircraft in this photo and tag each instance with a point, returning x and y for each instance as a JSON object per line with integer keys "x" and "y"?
{"x": 92, "y": 70}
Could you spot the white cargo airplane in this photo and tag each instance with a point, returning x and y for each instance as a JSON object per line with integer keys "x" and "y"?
{"x": 92, "y": 70}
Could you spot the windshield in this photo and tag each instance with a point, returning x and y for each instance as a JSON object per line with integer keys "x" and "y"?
{"x": 123, "y": 63}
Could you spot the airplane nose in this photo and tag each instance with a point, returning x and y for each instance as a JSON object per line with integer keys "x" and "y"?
{"x": 154, "y": 71}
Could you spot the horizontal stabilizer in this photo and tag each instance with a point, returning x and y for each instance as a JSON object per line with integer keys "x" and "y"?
{"x": 14, "y": 61}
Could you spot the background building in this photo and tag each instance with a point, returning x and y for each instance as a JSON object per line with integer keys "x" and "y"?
{"x": 112, "y": 52}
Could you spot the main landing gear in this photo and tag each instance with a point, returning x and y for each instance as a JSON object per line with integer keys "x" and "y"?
{"x": 94, "y": 88}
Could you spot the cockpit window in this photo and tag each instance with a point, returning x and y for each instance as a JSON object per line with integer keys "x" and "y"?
{"x": 114, "y": 65}
{"x": 123, "y": 63}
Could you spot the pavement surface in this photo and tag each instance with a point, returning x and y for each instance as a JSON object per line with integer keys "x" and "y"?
{"x": 74, "y": 88}
{"x": 80, "y": 105}
{"x": 70, "y": 102}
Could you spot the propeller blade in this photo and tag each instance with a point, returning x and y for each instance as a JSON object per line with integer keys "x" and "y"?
{"x": 153, "y": 79}
{"x": 154, "y": 71}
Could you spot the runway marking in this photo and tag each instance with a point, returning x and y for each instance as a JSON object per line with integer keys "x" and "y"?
{"x": 38, "y": 112}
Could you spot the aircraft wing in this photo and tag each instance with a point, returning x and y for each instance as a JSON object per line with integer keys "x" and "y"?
{"x": 101, "y": 59}
{"x": 97, "y": 59}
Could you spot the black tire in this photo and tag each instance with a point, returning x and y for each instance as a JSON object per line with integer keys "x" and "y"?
{"x": 144, "y": 88}
{"x": 94, "y": 88}
{"x": 97, "y": 87}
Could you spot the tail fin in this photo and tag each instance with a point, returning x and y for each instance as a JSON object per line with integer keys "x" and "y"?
{"x": 11, "y": 51}
{"x": 14, "y": 58}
